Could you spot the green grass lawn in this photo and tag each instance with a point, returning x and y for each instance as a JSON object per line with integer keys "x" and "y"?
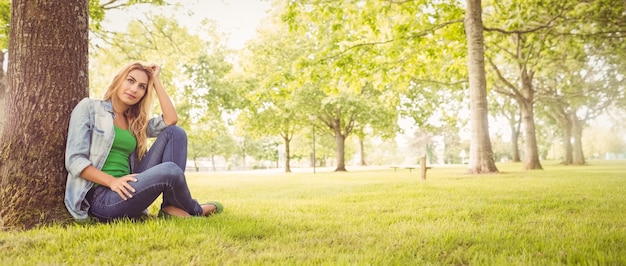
{"x": 561, "y": 215}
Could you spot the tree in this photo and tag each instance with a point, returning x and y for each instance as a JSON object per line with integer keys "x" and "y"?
{"x": 210, "y": 139}
{"x": 540, "y": 38}
{"x": 511, "y": 114}
{"x": 96, "y": 15}
{"x": 414, "y": 48}
{"x": 344, "y": 77}
{"x": 270, "y": 109}
{"x": 47, "y": 77}
{"x": 481, "y": 154}
{"x": 342, "y": 110}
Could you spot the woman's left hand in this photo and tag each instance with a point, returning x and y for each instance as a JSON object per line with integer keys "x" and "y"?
{"x": 156, "y": 69}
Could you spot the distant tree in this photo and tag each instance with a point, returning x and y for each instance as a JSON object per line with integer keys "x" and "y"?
{"x": 271, "y": 108}
{"x": 507, "y": 108}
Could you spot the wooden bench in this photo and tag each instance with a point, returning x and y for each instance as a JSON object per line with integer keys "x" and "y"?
{"x": 395, "y": 167}
{"x": 416, "y": 167}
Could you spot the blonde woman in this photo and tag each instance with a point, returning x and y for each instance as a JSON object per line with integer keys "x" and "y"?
{"x": 111, "y": 172}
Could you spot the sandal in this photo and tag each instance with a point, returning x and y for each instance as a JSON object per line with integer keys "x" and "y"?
{"x": 163, "y": 214}
{"x": 218, "y": 207}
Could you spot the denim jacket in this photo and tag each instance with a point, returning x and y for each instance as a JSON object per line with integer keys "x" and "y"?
{"x": 89, "y": 140}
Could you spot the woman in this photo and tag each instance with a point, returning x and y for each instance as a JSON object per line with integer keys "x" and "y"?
{"x": 111, "y": 172}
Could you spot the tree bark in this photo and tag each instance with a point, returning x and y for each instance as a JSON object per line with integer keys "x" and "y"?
{"x": 2, "y": 89}
{"x": 578, "y": 158}
{"x": 567, "y": 142}
{"x": 340, "y": 141}
{"x": 361, "y": 152}
{"x": 481, "y": 153}
{"x": 515, "y": 129}
{"x": 531, "y": 151}
{"x": 287, "y": 155}
{"x": 47, "y": 77}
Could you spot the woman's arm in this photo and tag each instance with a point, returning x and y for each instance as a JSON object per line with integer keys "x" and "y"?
{"x": 118, "y": 185}
{"x": 170, "y": 117}
{"x": 78, "y": 148}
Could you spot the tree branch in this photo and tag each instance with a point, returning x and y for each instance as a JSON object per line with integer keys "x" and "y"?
{"x": 398, "y": 1}
{"x": 548, "y": 24}
{"x": 369, "y": 44}
{"x": 438, "y": 82}
{"x": 513, "y": 90}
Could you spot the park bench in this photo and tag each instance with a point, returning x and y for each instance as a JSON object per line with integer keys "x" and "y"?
{"x": 410, "y": 167}
{"x": 410, "y": 163}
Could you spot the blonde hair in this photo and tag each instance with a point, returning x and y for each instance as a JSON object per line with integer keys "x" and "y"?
{"x": 139, "y": 113}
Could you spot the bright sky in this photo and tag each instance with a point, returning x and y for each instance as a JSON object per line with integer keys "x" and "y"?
{"x": 238, "y": 19}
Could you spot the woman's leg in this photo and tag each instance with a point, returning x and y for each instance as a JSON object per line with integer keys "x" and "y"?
{"x": 170, "y": 146}
{"x": 166, "y": 178}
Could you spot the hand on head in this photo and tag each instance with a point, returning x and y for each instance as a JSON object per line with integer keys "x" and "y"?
{"x": 156, "y": 69}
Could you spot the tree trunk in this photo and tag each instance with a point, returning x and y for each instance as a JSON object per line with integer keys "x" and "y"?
{"x": 515, "y": 143}
{"x": 530, "y": 145}
{"x": 47, "y": 77}
{"x": 340, "y": 140}
{"x": 2, "y": 89}
{"x": 287, "y": 155}
{"x": 566, "y": 127}
{"x": 481, "y": 153}
{"x": 361, "y": 152}
{"x": 564, "y": 119}
{"x": 578, "y": 158}
{"x": 531, "y": 151}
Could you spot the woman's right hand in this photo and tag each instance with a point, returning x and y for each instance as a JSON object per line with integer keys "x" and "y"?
{"x": 122, "y": 187}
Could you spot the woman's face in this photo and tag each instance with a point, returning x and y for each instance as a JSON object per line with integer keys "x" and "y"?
{"x": 133, "y": 88}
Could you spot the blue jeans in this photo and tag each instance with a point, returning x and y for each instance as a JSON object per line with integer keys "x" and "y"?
{"x": 161, "y": 171}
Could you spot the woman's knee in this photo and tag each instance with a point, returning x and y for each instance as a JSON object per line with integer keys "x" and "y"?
{"x": 176, "y": 131}
{"x": 172, "y": 170}
{"x": 166, "y": 172}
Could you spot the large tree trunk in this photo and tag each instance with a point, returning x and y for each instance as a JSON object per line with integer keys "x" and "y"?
{"x": 567, "y": 142}
{"x": 47, "y": 77}
{"x": 578, "y": 158}
{"x": 531, "y": 151}
{"x": 287, "y": 155}
{"x": 340, "y": 140}
{"x": 481, "y": 154}
{"x": 515, "y": 129}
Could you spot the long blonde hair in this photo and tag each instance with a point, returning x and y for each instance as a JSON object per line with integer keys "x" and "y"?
{"x": 139, "y": 113}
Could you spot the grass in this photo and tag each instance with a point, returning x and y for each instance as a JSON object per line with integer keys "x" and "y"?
{"x": 558, "y": 216}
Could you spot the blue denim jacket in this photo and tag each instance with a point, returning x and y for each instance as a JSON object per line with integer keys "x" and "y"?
{"x": 89, "y": 140}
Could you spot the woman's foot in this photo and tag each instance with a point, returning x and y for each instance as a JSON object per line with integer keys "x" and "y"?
{"x": 174, "y": 212}
{"x": 210, "y": 208}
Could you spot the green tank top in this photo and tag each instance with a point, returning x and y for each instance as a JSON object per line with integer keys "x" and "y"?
{"x": 117, "y": 163}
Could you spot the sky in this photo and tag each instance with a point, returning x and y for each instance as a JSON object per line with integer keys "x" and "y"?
{"x": 238, "y": 19}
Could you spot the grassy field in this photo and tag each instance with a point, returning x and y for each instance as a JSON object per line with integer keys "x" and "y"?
{"x": 558, "y": 216}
